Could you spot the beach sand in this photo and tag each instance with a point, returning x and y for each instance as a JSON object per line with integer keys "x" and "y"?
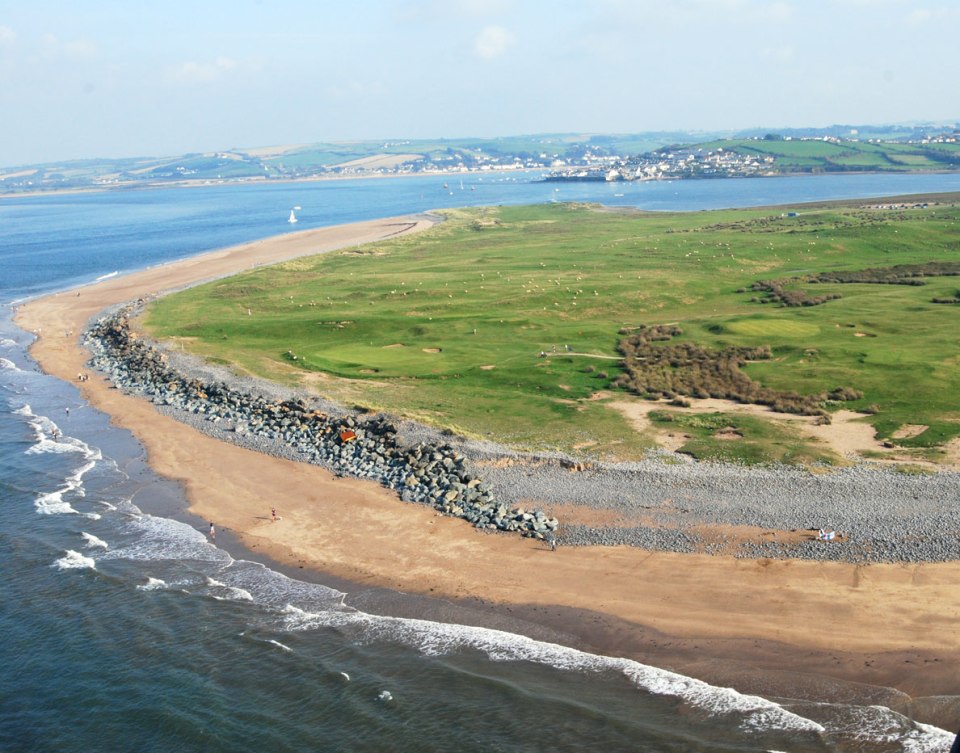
{"x": 781, "y": 628}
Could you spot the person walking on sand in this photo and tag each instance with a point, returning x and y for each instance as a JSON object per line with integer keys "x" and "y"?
{"x": 551, "y": 540}
{"x": 273, "y": 514}
{"x": 213, "y": 533}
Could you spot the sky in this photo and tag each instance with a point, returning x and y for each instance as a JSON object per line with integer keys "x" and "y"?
{"x": 122, "y": 78}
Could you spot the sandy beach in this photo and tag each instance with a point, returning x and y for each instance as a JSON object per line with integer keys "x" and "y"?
{"x": 778, "y": 627}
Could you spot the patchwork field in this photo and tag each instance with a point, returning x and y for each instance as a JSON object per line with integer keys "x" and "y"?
{"x": 505, "y": 323}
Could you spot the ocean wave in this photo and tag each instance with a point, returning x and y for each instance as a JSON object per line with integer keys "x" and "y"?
{"x": 272, "y": 591}
{"x": 53, "y": 504}
{"x": 75, "y": 561}
{"x": 50, "y": 439}
{"x": 290, "y": 605}
{"x": 6, "y": 363}
{"x": 152, "y": 584}
{"x": 278, "y": 644}
{"x": 106, "y": 276}
{"x": 94, "y": 542}
{"x": 54, "y": 444}
{"x": 6, "y": 342}
{"x": 157, "y": 539}
{"x": 881, "y": 725}
{"x": 926, "y": 738}
{"x": 232, "y": 592}
{"x": 751, "y": 713}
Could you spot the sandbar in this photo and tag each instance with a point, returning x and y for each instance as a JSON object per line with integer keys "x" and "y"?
{"x": 776, "y": 627}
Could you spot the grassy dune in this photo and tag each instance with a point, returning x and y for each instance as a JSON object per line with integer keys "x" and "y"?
{"x": 448, "y": 326}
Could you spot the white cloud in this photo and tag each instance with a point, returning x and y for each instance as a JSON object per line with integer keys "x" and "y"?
{"x": 483, "y": 7}
{"x": 419, "y": 11}
{"x": 782, "y": 54}
{"x": 492, "y": 42}
{"x": 778, "y": 11}
{"x": 79, "y": 48}
{"x": 6, "y": 35}
{"x": 356, "y": 89}
{"x": 919, "y": 16}
{"x": 202, "y": 73}
{"x": 52, "y": 48}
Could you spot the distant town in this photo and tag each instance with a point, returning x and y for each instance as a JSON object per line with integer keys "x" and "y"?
{"x": 773, "y": 154}
{"x": 560, "y": 157}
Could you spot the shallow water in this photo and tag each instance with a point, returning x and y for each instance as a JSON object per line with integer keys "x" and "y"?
{"x": 125, "y": 629}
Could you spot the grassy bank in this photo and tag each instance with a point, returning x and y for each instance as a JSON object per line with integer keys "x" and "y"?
{"x": 449, "y": 326}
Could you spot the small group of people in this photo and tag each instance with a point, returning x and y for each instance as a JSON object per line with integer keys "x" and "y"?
{"x": 826, "y": 535}
{"x": 81, "y": 377}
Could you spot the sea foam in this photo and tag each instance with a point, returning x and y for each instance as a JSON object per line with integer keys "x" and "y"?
{"x": 435, "y": 639}
{"x": 75, "y": 561}
{"x": 160, "y": 539}
{"x": 231, "y": 592}
{"x": 53, "y": 504}
{"x": 93, "y": 542}
{"x": 49, "y": 438}
{"x": 751, "y": 713}
{"x": 152, "y": 584}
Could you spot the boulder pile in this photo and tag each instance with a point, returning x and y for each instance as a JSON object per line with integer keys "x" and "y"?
{"x": 357, "y": 446}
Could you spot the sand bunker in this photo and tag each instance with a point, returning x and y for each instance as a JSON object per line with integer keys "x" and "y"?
{"x": 909, "y": 430}
{"x": 846, "y": 435}
{"x": 432, "y": 350}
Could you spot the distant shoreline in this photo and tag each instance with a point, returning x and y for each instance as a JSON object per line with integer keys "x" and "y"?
{"x": 144, "y": 186}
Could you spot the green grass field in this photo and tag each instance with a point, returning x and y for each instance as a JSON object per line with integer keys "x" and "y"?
{"x": 809, "y": 154}
{"x": 448, "y": 326}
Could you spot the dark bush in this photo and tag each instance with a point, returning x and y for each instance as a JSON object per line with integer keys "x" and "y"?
{"x": 900, "y": 274}
{"x": 668, "y": 371}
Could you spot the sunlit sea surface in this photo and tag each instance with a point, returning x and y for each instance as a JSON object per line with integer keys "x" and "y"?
{"x": 123, "y": 629}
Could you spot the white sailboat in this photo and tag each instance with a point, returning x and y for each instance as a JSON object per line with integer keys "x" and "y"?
{"x": 292, "y": 218}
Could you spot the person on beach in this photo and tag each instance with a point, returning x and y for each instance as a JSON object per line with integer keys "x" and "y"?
{"x": 551, "y": 540}
{"x": 213, "y": 533}
{"x": 273, "y": 514}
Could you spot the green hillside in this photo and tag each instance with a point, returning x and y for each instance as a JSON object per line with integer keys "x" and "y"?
{"x": 835, "y": 156}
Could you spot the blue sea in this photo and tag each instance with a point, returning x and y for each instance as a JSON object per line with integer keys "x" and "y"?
{"x": 122, "y": 628}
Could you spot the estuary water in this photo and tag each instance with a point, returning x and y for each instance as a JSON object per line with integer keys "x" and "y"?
{"x": 124, "y": 629}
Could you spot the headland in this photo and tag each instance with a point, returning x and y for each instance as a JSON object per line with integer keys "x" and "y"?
{"x": 785, "y": 627}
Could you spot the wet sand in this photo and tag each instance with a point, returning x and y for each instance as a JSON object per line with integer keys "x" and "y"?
{"x": 783, "y": 628}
